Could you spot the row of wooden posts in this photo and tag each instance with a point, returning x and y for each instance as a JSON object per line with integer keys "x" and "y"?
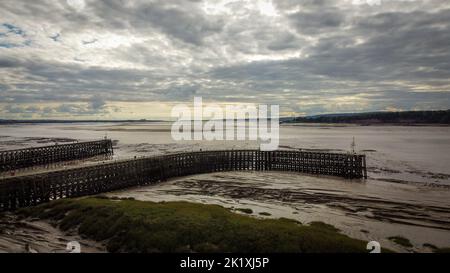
{"x": 28, "y": 157}
{"x": 30, "y": 190}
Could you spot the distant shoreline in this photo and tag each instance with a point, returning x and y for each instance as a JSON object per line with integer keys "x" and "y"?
{"x": 406, "y": 118}
{"x": 338, "y": 124}
{"x": 283, "y": 123}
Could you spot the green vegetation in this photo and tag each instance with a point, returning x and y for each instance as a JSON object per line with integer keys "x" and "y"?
{"x": 244, "y": 210}
{"x": 264, "y": 213}
{"x": 137, "y": 226}
{"x": 324, "y": 226}
{"x": 401, "y": 241}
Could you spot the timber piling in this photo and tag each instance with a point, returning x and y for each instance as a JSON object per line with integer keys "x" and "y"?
{"x": 30, "y": 190}
{"x": 29, "y": 157}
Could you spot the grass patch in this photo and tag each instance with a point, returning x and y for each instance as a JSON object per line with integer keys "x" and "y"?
{"x": 264, "y": 213}
{"x": 137, "y": 226}
{"x": 244, "y": 210}
{"x": 401, "y": 241}
{"x": 324, "y": 227}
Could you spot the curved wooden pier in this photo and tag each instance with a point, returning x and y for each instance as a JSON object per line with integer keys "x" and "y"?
{"x": 28, "y": 157}
{"x": 29, "y": 190}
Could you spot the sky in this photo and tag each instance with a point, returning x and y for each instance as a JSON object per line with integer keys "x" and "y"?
{"x": 115, "y": 59}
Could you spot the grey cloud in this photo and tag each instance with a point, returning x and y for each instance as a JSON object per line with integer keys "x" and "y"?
{"x": 190, "y": 26}
{"x": 316, "y": 22}
{"x": 56, "y": 37}
{"x": 8, "y": 63}
{"x": 70, "y": 108}
{"x": 285, "y": 41}
{"x": 89, "y": 42}
{"x": 412, "y": 52}
{"x": 97, "y": 103}
{"x": 305, "y": 58}
{"x": 74, "y": 109}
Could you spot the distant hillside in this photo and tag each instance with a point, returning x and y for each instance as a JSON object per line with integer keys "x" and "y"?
{"x": 409, "y": 117}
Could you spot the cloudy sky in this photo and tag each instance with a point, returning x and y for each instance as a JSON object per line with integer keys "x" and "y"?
{"x": 115, "y": 59}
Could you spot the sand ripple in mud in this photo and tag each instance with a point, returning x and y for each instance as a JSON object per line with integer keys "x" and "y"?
{"x": 367, "y": 210}
{"x": 34, "y": 236}
{"x": 366, "y": 207}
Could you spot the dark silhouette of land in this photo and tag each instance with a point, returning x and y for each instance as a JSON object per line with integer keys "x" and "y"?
{"x": 402, "y": 118}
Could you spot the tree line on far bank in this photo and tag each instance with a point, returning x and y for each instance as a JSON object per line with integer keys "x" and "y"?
{"x": 408, "y": 117}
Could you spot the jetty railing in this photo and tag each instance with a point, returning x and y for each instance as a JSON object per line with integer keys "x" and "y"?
{"x": 28, "y": 157}
{"x": 29, "y": 190}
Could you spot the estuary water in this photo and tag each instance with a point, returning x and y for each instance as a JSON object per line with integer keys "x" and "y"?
{"x": 407, "y": 193}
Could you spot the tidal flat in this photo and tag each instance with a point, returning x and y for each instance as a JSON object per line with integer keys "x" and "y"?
{"x": 407, "y": 193}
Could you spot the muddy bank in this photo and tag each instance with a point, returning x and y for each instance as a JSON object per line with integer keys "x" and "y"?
{"x": 364, "y": 206}
{"x": 365, "y": 210}
{"x": 35, "y": 236}
{"x": 10, "y": 143}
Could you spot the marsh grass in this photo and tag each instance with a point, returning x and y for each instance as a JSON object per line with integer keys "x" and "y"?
{"x": 245, "y": 210}
{"x": 265, "y": 213}
{"x": 137, "y": 226}
{"x": 401, "y": 241}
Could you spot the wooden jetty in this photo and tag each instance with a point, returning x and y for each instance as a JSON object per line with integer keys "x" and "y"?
{"x": 28, "y": 157}
{"x": 30, "y": 190}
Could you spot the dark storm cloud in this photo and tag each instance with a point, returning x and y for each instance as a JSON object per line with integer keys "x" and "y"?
{"x": 412, "y": 50}
{"x": 179, "y": 19}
